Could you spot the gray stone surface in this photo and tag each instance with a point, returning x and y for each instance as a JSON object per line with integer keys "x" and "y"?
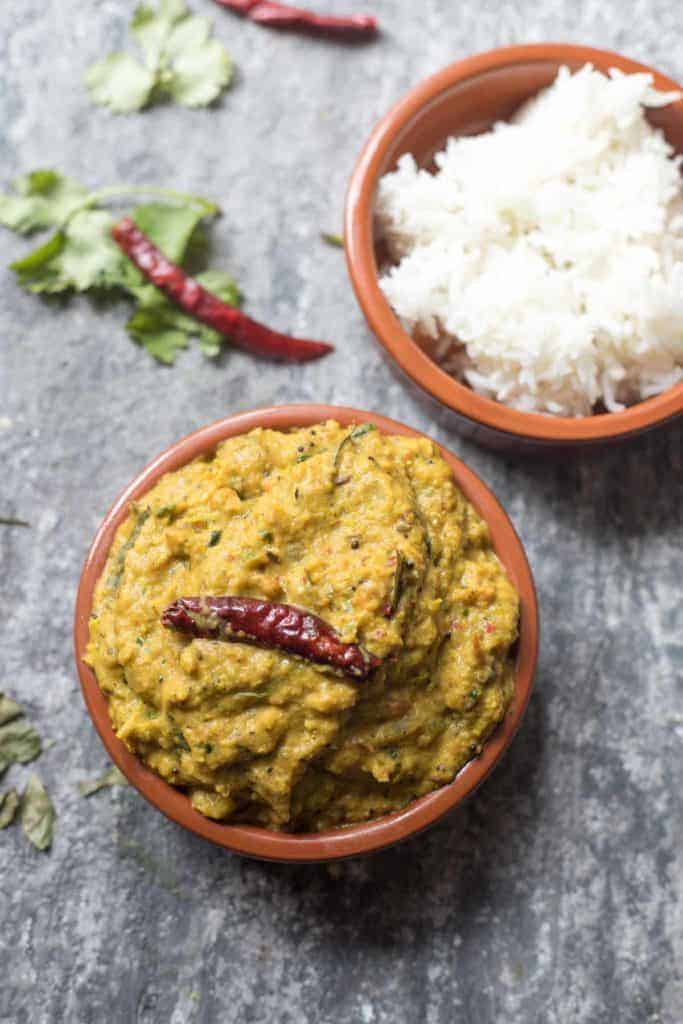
{"x": 554, "y": 895}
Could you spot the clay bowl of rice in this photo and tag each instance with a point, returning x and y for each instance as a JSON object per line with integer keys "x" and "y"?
{"x": 514, "y": 235}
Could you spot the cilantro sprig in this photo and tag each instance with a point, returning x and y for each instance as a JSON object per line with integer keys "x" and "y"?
{"x": 80, "y": 255}
{"x": 180, "y": 62}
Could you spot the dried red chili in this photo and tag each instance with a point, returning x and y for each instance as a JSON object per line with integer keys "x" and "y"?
{"x": 278, "y": 15}
{"x": 267, "y": 624}
{"x": 187, "y": 293}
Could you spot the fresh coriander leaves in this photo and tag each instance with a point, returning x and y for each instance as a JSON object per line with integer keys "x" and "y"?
{"x": 42, "y": 199}
{"x": 111, "y": 778}
{"x": 37, "y": 814}
{"x": 163, "y": 329}
{"x": 81, "y": 255}
{"x": 180, "y": 62}
{"x": 170, "y": 228}
{"x": 120, "y": 82}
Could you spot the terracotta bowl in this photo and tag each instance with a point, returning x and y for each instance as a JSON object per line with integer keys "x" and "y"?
{"x": 464, "y": 99}
{"x": 336, "y": 843}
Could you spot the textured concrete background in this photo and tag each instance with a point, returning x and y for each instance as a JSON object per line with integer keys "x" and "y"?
{"x": 554, "y": 895}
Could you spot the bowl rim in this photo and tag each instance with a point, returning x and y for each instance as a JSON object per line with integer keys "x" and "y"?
{"x": 362, "y": 268}
{"x": 335, "y": 843}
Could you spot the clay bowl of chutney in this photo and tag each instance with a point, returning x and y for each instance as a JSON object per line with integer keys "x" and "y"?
{"x": 361, "y": 837}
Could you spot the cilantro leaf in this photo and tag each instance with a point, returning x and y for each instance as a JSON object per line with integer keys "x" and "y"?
{"x": 151, "y": 28}
{"x": 39, "y": 271}
{"x": 163, "y": 329}
{"x": 83, "y": 255}
{"x": 42, "y": 199}
{"x": 181, "y": 62}
{"x": 222, "y": 285}
{"x": 80, "y": 256}
{"x": 200, "y": 73}
{"x": 169, "y": 227}
{"x": 160, "y": 338}
{"x": 120, "y": 82}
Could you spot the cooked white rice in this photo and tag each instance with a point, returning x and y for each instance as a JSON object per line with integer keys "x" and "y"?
{"x": 543, "y": 261}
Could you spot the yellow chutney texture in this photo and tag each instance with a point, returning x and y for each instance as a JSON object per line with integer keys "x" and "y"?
{"x": 370, "y": 533}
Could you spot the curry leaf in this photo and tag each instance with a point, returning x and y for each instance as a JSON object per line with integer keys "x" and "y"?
{"x": 37, "y": 814}
{"x": 111, "y": 778}
{"x": 180, "y": 62}
{"x": 9, "y": 804}
{"x": 9, "y": 709}
{"x": 332, "y": 239}
{"x": 19, "y": 742}
{"x": 361, "y": 431}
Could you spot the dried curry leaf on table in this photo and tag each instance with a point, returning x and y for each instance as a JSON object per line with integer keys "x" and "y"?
{"x": 9, "y": 709}
{"x": 37, "y": 814}
{"x": 19, "y": 743}
{"x": 113, "y": 777}
{"x": 180, "y": 62}
{"x": 9, "y": 804}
